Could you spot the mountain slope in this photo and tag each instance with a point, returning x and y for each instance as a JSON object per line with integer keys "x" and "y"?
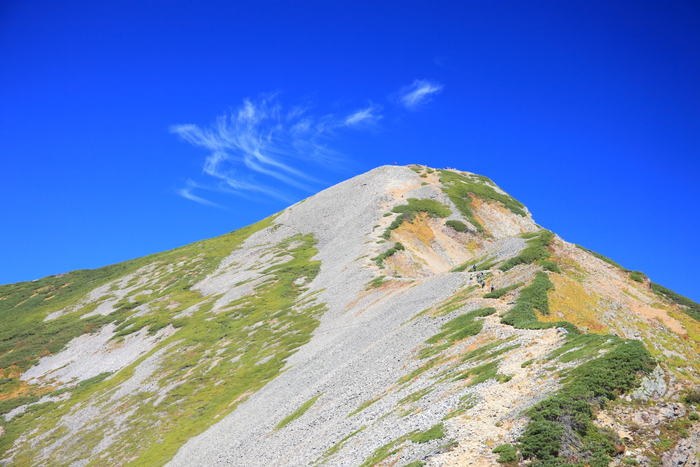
{"x": 357, "y": 327}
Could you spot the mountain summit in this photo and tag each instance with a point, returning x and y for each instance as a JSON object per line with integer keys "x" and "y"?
{"x": 408, "y": 316}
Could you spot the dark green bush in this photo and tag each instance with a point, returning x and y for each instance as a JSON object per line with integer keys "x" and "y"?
{"x": 692, "y": 396}
{"x": 693, "y": 416}
{"x": 457, "y": 225}
{"x": 382, "y": 256}
{"x": 638, "y": 276}
{"x": 498, "y": 293}
{"x": 549, "y": 266}
{"x": 507, "y": 452}
{"x": 462, "y": 326}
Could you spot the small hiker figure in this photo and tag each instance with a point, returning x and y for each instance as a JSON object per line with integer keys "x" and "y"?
{"x": 492, "y": 288}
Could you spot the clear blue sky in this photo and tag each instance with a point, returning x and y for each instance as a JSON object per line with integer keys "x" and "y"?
{"x": 131, "y": 127}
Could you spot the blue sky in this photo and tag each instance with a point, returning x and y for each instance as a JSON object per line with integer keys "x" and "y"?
{"x": 128, "y": 128}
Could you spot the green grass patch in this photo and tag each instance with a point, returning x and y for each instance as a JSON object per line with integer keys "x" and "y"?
{"x": 459, "y": 226}
{"x": 498, "y": 293}
{"x": 462, "y": 326}
{"x": 535, "y": 251}
{"x": 379, "y": 259}
{"x": 297, "y": 413}
{"x": 638, "y": 276}
{"x": 548, "y": 265}
{"x": 507, "y": 453}
{"x": 376, "y": 282}
{"x": 434, "y": 432}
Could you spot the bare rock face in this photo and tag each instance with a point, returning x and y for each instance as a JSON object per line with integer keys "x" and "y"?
{"x": 407, "y": 316}
{"x": 686, "y": 453}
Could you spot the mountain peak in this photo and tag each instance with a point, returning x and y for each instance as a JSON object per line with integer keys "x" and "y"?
{"x": 409, "y": 316}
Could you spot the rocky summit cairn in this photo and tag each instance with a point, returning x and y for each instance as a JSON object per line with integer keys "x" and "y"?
{"x": 408, "y": 316}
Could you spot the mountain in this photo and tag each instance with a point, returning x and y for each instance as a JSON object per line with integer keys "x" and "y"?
{"x": 408, "y": 316}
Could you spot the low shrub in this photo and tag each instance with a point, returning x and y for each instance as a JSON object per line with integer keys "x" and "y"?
{"x": 382, "y": 256}
{"x": 457, "y": 225}
{"x": 507, "y": 453}
{"x": 602, "y": 258}
{"x": 498, "y": 293}
{"x": 549, "y": 266}
{"x": 638, "y": 276}
{"x": 535, "y": 251}
{"x": 692, "y": 396}
{"x": 690, "y": 307}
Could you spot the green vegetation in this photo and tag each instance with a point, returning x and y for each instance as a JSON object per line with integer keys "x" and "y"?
{"x": 298, "y": 412}
{"x": 570, "y": 411}
{"x": 692, "y": 396}
{"x": 376, "y": 282}
{"x": 481, "y": 264}
{"x": 563, "y": 423}
{"x": 460, "y": 188}
{"x": 393, "y": 447}
{"x": 434, "y": 432}
{"x": 638, "y": 276}
{"x": 379, "y": 259}
{"x": 415, "y": 206}
{"x": 498, "y": 293}
{"x": 260, "y": 330}
{"x": 507, "y": 453}
{"x": 549, "y": 265}
{"x": 25, "y": 335}
{"x": 483, "y": 373}
{"x": 688, "y": 306}
{"x": 364, "y": 405}
{"x": 333, "y": 450}
{"x": 602, "y": 258}
{"x": 531, "y": 298}
{"x": 535, "y": 251}
{"x": 416, "y": 396}
{"x": 482, "y": 352}
{"x": 457, "y": 225}
{"x": 693, "y": 416}
{"x": 462, "y": 326}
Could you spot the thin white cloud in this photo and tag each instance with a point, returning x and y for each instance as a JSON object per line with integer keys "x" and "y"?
{"x": 259, "y": 145}
{"x": 418, "y": 93}
{"x": 369, "y": 115}
{"x": 187, "y": 193}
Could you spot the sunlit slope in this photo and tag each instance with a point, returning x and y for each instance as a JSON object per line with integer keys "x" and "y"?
{"x": 405, "y": 316}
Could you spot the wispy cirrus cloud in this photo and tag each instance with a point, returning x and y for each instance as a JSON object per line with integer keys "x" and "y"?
{"x": 418, "y": 93}
{"x": 259, "y": 147}
{"x": 187, "y": 193}
{"x": 369, "y": 115}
